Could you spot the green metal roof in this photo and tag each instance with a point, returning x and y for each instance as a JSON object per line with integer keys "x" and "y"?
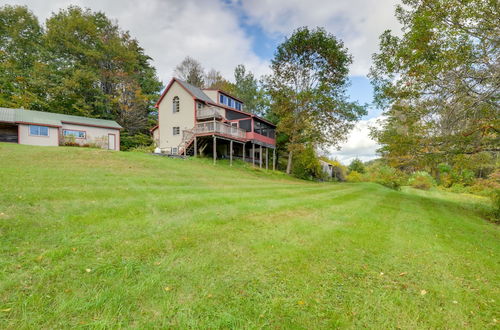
{"x": 50, "y": 118}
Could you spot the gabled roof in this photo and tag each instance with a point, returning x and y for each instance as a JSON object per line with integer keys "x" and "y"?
{"x": 51, "y": 119}
{"x": 195, "y": 91}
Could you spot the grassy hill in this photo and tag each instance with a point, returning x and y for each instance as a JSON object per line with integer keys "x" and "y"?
{"x": 90, "y": 238}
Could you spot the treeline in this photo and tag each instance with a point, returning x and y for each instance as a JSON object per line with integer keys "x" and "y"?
{"x": 439, "y": 86}
{"x": 80, "y": 63}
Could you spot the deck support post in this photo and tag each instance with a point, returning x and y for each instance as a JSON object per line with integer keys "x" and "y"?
{"x": 253, "y": 154}
{"x": 215, "y": 148}
{"x": 274, "y": 159}
{"x": 195, "y": 147}
{"x": 267, "y": 158}
{"x": 243, "y": 151}
{"x": 231, "y": 153}
{"x": 260, "y": 156}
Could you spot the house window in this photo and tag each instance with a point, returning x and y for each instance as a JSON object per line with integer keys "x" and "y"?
{"x": 39, "y": 130}
{"x": 176, "y": 130}
{"x": 175, "y": 104}
{"x": 199, "y": 105}
{"x": 238, "y": 105}
{"x": 76, "y": 134}
{"x": 221, "y": 99}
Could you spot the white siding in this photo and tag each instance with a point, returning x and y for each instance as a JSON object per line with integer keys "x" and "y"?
{"x": 26, "y": 138}
{"x": 94, "y": 135}
{"x": 212, "y": 95}
{"x": 184, "y": 119}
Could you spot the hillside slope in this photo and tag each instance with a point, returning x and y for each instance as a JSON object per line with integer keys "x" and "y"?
{"x": 108, "y": 239}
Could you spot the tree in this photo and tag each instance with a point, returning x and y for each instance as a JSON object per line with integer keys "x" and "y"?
{"x": 439, "y": 82}
{"x": 95, "y": 69}
{"x": 21, "y": 62}
{"x": 190, "y": 71}
{"x": 81, "y": 64}
{"x": 215, "y": 80}
{"x": 248, "y": 90}
{"x": 357, "y": 165}
{"x": 308, "y": 91}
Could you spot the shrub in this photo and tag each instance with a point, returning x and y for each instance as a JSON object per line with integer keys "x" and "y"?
{"x": 387, "y": 176}
{"x": 458, "y": 188}
{"x": 465, "y": 177}
{"x": 354, "y": 176}
{"x": 128, "y": 142}
{"x": 357, "y": 166}
{"x": 306, "y": 165}
{"x": 421, "y": 180}
{"x": 145, "y": 149}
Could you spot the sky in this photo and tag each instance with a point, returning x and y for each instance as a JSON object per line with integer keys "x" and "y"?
{"x": 224, "y": 33}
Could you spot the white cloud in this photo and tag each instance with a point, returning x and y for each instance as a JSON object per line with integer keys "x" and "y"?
{"x": 210, "y": 30}
{"x": 359, "y": 144}
{"x": 170, "y": 30}
{"x": 358, "y": 23}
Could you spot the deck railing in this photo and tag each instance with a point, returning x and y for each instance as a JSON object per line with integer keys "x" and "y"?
{"x": 209, "y": 112}
{"x": 221, "y": 128}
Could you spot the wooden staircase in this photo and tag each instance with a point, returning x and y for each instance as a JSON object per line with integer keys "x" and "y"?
{"x": 186, "y": 147}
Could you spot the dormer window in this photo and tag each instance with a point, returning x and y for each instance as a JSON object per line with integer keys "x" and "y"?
{"x": 175, "y": 104}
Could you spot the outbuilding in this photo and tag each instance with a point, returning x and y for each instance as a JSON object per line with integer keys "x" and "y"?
{"x": 54, "y": 129}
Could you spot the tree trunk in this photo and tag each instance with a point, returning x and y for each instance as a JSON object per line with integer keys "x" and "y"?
{"x": 289, "y": 164}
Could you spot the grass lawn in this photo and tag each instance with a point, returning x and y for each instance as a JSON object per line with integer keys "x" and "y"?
{"x": 91, "y": 238}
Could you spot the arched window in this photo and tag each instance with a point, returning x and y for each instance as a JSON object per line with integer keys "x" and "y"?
{"x": 175, "y": 104}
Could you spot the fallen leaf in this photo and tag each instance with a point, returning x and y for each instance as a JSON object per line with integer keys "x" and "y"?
{"x": 423, "y": 292}
{"x": 167, "y": 288}
{"x": 88, "y": 270}
{"x": 403, "y": 274}
{"x": 455, "y": 302}
{"x": 381, "y": 274}
{"x": 300, "y": 302}
{"x": 209, "y": 295}
{"x": 158, "y": 263}
{"x": 73, "y": 249}
{"x": 6, "y": 310}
